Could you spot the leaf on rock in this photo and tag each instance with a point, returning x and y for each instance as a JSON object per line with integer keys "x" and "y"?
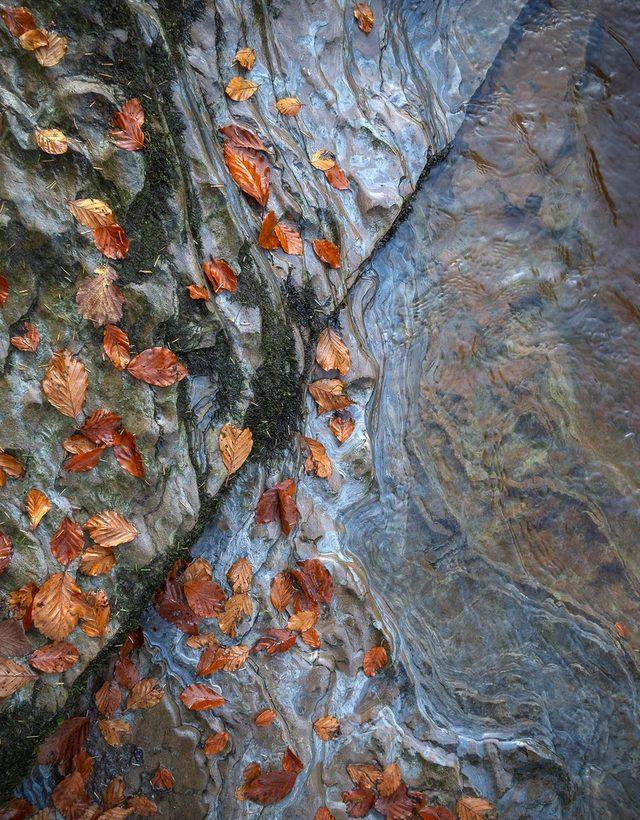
{"x": 38, "y": 505}
{"x": 51, "y": 141}
{"x": 314, "y": 581}
{"x": 228, "y": 658}
{"x": 198, "y": 293}
{"x": 329, "y": 253}
{"x": 327, "y": 727}
{"x": 206, "y": 598}
{"x": 67, "y": 542}
{"x": 6, "y": 552}
{"x": 275, "y": 641}
{"x": 475, "y": 808}
{"x": 84, "y": 461}
{"x": 110, "y": 529}
{"x": 17, "y": 19}
{"x": 249, "y": 171}
{"x": 220, "y": 275}
{"x": 57, "y": 606}
{"x": 342, "y": 425}
{"x": 158, "y": 366}
{"x": 65, "y": 383}
{"x": 54, "y": 657}
{"x": 323, "y": 813}
{"x": 239, "y": 575}
{"x": 95, "y": 619}
{"x": 113, "y": 795}
{"x": 125, "y": 673}
{"x": 239, "y": 89}
{"x": 198, "y": 570}
{"x": 289, "y": 106}
{"x": 270, "y": 787}
{"x": 289, "y": 239}
{"x": 64, "y": 744}
{"x": 281, "y": 591}
{"x": 364, "y": 775}
{"x": 4, "y": 290}
{"x": 267, "y": 238}
{"x": 13, "y": 641}
{"x": 114, "y": 731}
{"x": 235, "y": 446}
{"x": 202, "y": 640}
{"x": 19, "y": 809}
{"x": 162, "y": 779}
{"x": 108, "y": 698}
{"x": 69, "y": 796}
{"x": 127, "y": 126}
{"x": 250, "y": 773}
{"x": 214, "y": 744}
{"x": 99, "y": 299}
{"x": 374, "y": 660}
{"x": 92, "y": 213}
{"x": 317, "y": 461}
{"x": 171, "y": 604}
{"x": 337, "y": 178}
{"x": 287, "y": 505}
{"x": 77, "y": 444}
{"x": 291, "y": 762}
{"x": 311, "y": 638}
{"x": 302, "y": 621}
{"x": 265, "y": 718}
{"x": 33, "y": 39}
{"x": 240, "y": 137}
{"x": 398, "y": 805}
{"x": 329, "y": 395}
{"x": 267, "y": 510}
{"x": 13, "y": 677}
{"x": 142, "y": 805}
{"x": 116, "y": 345}
{"x": 127, "y": 455}
{"x": 102, "y": 427}
{"x": 390, "y": 780}
{"x": 323, "y": 159}
{"x": 111, "y": 241}
{"x": 236, "y": 608}
{"x": 54, "y": 51}
{"x": 145, "y": 694}
{"x": 199, "y": 697}
{"x": 359, "y": 802}
{"x": 246, "y": 58}
{"x": 29, "y": 341}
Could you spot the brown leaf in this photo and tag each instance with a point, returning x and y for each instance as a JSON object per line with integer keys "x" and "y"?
{"x": 239, "y": 89}
{"x": 328, "y": 253}
{"x": 38, "y": 505}
{"x": 235, "y": 446}
{"x": 162, "y": 779}
{"x": 198, "y": 570}
{"x": 364, "y": 775}
{"x": 145, "y": 694}
{"x": 54, "y": 51}
{"x": 311, "y": 638}
{"x": 267, "y": 509}
{"x": 332, "y": 353}
{"x": 13, "y": 641}
{"x": 101, "y": 427}
{"x": 323, "y": 159}
{"x": 57, "y": 606}
{"x": 116, "y": 345}
{"x": 342, "y": 425}
{"x": 198, "y": 293}
{"x": 289, "y": 106}
{"x": 240, "y": 137}
{"x": 85, "y": 461}
{"x": 20, "y": 600}
{"x": 337, "y": 178}
{"x": 475, "y": 808}
{"x": 17, "y": 808}
{"x": 65, "y": 383}
{"x": 64, "y": 744}
{"x": 108, "y": 698}
{"x": 134, "y": 639}
{"x": 214, "y": 744}
{"x": 396, "y": 806}
{"x": 110, "y": 529}
{"x": 329, "y": 395}
{"x": 359, "y": 802}
{"x": 228, "y": 658}
{"x": 95, "y": 619}
{"x": 13, "y": 677}
{"x": 265, "y": 717}
{"x": 4, "y": 290}
{"x": 114, "y": 730}
{"x": 69, "y": 796}
{"x": 29, "y": 341}
{"x": 318, "y": 461}
{"x": 239, "y": 575}
{"x": 287, "y": 505}
{"x": 17, "y": 19}
{"x": 267, "y": 238}
{"x": 127, "y": 455}
{"x": 275, "y": 641}
{"x": 77, "y": 444}
{"x": 246, "y": 58}
{"x": 6, "y": 552}
{"x": 249, "y": 171}
{"x": 235, "y": 609}
{"x": 127, "y": 126}
{"x": 11, "y": 466}
{"x": 327, "y": 727}
{"x": 364, "y": 17}
{"x": 289, "y": 239}
{"x": 220, "y": 275}
{"x": 302, "y": 621}
{"x": 291, "y": 762}
{"x": 206, "y": 598}
{"x": 323, "y": 813}
{"x": 374, "y": 660}
{"x": 92, "y": 213}
{"x": 111, "y": 241}
{"x": 54, "y": 657}
{"x": 67, "y": 542}
{"x": 114, "y": 793}
{"x": 202, "y": 641}
{"x": 281, "y": 591}
{"x": 270, "y": 787}
{"x": 314, "y": 581}
{"x": 171, "y": 604}
{"x": 126, "y": 673}
{"x": 33, "y": 39}
{"x": 199, "y": 697}
{"x": 390, "y": 780}
{"x": 99, "y": 299}
{"x": 51, "y": 141}
{"x": 158, "y": 366}
{"x": 142, "y": 805}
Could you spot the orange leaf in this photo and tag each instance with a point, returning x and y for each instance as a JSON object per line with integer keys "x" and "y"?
{"x": 67, "y": 542}
{"x": 111, "y": 241}
{"x": 198, "y": 570}
{"x": 202, "y": 640}
{"x": 390, "y": 780}
{"x": 235, "y": 609}
{"x": 158, "y": 366}
{"x": 327, "y": 727}
{"x": 342, "y": 425}
{"x": 13, "y": 677}
{"x": 54, "y": 51}
{"x": 364, "y": 17}
{"x": 198, "y": 293}
{"x": 240, "y": 137}
{"x": 85, "y": 461}
{"x": 116, "y": 345}
{"x": 291, "y": 762}
{"x": 374, "y": 660}
{"x": 239, "y": 575}
{"x": 162, "y": 779}
{"x": 206, "y": 598}
{"x": 29, "y": 342}
{"x": 364, "y": 775}
{"x": 249, "y": 171}
{"x": 240, "y": 89}
{"x": 114, "y": 731}
{"x": 77, "y": 444}
{"x": 267, "y": 509}
{"x": 127, "y": 123}
{"x": 199, "y": 697}
{"x": 265, "y": 717}
{"x": 92, "y": 213}
{"x": 286, "y": 505}
{"x": 33, "y": 39}
{"x": 281, "y": 591}
{"x": 113, "y": 795}
{"x": 145, "y": 694}
{"x": 235, "y": 446}
{"x": 328, "y": 253}
{"x": 54, "y": 657}
{"x": 126, "y": 673}
{"x": 302, "y": 621}
{"x": 318, "y": 461}
{"x": 228, "y": 658}
{"x": 97, "y": 560}
{"x": 108, "y": 698}
{"x": 267, "y": 238}
{"x": 246, "y": 58}
{"x": 38, "y": 505}
{"x": 289, "y": 239}
{"x": 314, "y": 581}
{"x": 214, "y": 744}
{"x": 110, "y": 529}
{"x": 102, "y": 426}
{"x": 323, "y": 159}
{"x": 127, "y": 455}
{"x": 95, "y": 619}
{"x": 142, "y": 805}
{"x": 57, "y": 605}
{"x": 329, "y": 395}
{"x": 323, "y": 813}
{"x": 311, "y": 638}
{"x": 289, "y": 106}
{"x": 270, "y": 787}
{"x": 10, "y": 465}
{"x": 337, "y": 178}
{"x": 13, "y": 640}
{"x": 17, "y": 19}
{"x": 359, "y": 802}
{"x": 65, "y": 383}
{"x": 51, "y": 141}
{"x": 475, "y": 808}
{"x": 220, "y": 275}
{"x": 275, "y": 641}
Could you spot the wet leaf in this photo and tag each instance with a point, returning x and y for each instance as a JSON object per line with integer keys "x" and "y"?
{"x": 145, "y": 694}
{"x": 92, "y": 213}
{"x": 64, "y": 744}
{"x": 268, "y": 509}
{"x": 235, "y": 446}
{"x": 95, "y": 619}
{"x": 314, "y": 581}
{"x": 214, "y": 744}
{"x": 29, "y": 341}
{"x": 54, "y": 51}
{"x": 311, "y": 638}
{"x": 289, "y": 106}
{"x": 171, "y": 604}
{"x": 4, "y": 290}
{"x": 108, "y": 698}
{"x": 396, "y": 806}
{"x": 364, "y": 775}
{"x": 111, "y": 241}
{"x": 102, "y": 427}
{"x": 142, "y": 805}
{"x": 359, "y": 802}
{"x": 390, "y": 780}
{"x": 116, "y": 345}
{"x": 329, "y": 395}
{"x": 38, "y": 505}
{"x": 13, "y": 677}
{"x": 302, "y": 621}
{"x": 198, "y": 293}
{"x": 199, "y": 697}
{"x": 364, "y": 17}
{"x": 13, "y": 641}
{"x": 206, "y": 598}
{"x": 434, "y": 813}
{"x": 69, "y": 796}
{"x": 337, "y": 178}
{"x": 65, "y": 383}
{"x": 242, "y": 137}
{"x": 20, "y": 600}
{"x": 265, "y": 717}
{"x": 291, "y": 762}
{"x": 249, "y": 171}
{"x": 475, "y": 808}
{"x": 17, "y": 19}
{"x": 198, "y": 570}
{"x": 220, "y": 275}
{"x": 127, "y": 126}
{"x": 85, "y": 461}
{"x": 114, "y": 731}
{"x": 67, "y": 542}
{"x": 270, "y": 787}
{"x": 77, "y": 444}
{"x": 202, "y": 640}
{"x": 113, "y": 795}
{"x": 51, "y": 141}
{"x": 327, "y": 727}
{"x": 127, "y": 455}
{"x": 323, "y": 159}
{"x": 83, "y": 763}
{"x": 239, "y": 575}
{"x": 317, "y": 461}
{"x": 281, "y": 591}
{"x": 162, "y": 779}
{"x": 275, "y": 641}
{"x": 126, "y": 673}
{"x": 6, "y": 552}
{"x": 374, "y": 660}
{"x": 134, "y": 639}
{"x": 110, "y": 529}
{"x": 236, "y": 608}
{"x": 342, "y": 425}
{"x": 158, "y": 366}
{"x": 33, "y": 39}
{"x": 328, "y": 253}
{"x": 240, "y": 88}
{"x": 99, "y": 298}
{"x": 246, "y": 58}
{"x": 57, "y": 605}
{"x": 287, "y": 508}
{"x": 289, "y": 239}
{"x": 267, "y": 238}
{"x": 323, "y": 813}
{"x": 54, "y": 657}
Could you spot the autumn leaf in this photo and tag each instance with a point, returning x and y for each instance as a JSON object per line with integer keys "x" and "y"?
{"x": 240, "y": 137}
{"x": 29, "y": 341}
{"x": 318, "y": 461}
{"x": 127, "y": 455}
{"x": 198, "y": 293}
{"x": 287, "y": 508}
{"x": 270, "y": 787}
{"x": 97, "y": 560}
{"x": 475, "y": 808}
{"x": 364, "y": 17}
{"x": 13, "y": 640}
{"x": 20, "y": 600}
{"x": 108, "y": 698}
{"x": 171, "y": 604}
{"x": 51, "y": 141}
{"x": 4, "y": 290}
{"x": 102, "y": 427}
{"x": 17, "y": 808}
{"x": 289, "y": 239}
{"x": 99, "y": 298}
{"x": 13, "y": 677}
{"x": 249, "y": 171}
{"x": 84, "y": 461}
{"x": 69, "y": 796}
{"x": 323, "y": 813}
{"x": 329, "y": 253}
{"x": 289, "y": 106}
{"x": 134, "y": 639}
{"x": 314, "y": 581}
{"x": 199, "y": 697}
{"x": 142, "y": 805}
{"x": 158, "y": 366}
{"x": 390, "y": 780}
{"x": 64, "y": 744}
{"x": 265, "y": 717}
{"x": 281, "y": 591}
{"x": 245, "y": 57}
{"x": 220, "y": 275}
{"x": 397, "y": 804}
{"x": 235, "y": 446}
{"x": 311, "y": 638}
{"x": 327, "y": 727}
{"x": 214, "y": 744}
{"x": 65, "y": 383}
{"x": 145, "y": 694}
{"x": 111, "y": 241}
{"x": 206, "y": 598}
{"x": 116, "y": 345}
{"x": 162, "y": 779}
{"x": 236, "y": 608}
{"x": 95, "y": 619}
{"x": 267, "y": 238}
{"x": 239, "y": 575}
{"x": 92, "y": 213}
{"x": 239, "y": 89}
{"x": 9, "y": 466}
{"x": 38, "y": 505}
{"x": 374, "y": 660}
{"x": 227, "y": 658}
{"x": 6, "y": 552}
{"x": 33, "y": 39}
{"x": 125, "y": 673}
{"x": 57, "y": 605}
{"x": 267, "y": 509}
{"x": 329, "y": 395}
{"x": 275, "y": 641}
{"x": 337, "y": 178}
{"x": 17, "y": 19}
{"x": 127, "y": 126}
{"x": 323, "y": 159}
{"x": 364, "y": 775}
{"x": 198, "y": 570}
{"x": 202, "y": 640}
{"x": 67, "y": 542}
{"x": 77, "y": 444}
{"x": 110, "y": 529}
{"x": 54, "y": 657}
{"x": 621, "y": 630}
{"x": 301, "y": 621}
{"x": 342, "y": 425}
{"x": 113, "y": 794}
{"x": 55, "y": 49}
{"x": 359, "y": 802}
{"x": 114, "y": 730}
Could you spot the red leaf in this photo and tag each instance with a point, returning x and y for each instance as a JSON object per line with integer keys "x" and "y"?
{"x": 206, "y": 598}
{"x": 127, "y": 455}
{"x": 267, "y": 238}
{"x": 359, "y": 802}
{"x": 240, "y": 137}
{"x": 314, "y": 581}
{"x": 162, "y": 779}
{"x": 108, "y": 698}
{"x": 374, "y": 660}
{"x": 126, "y": 673}
{"x": 171, "y": 604}
{"x": 267, "y": 509}
{"x": 101, "y": 427}
{"x": 291, "y": 762}
{"x": 220, "y": 275}
{"x": 111, "y": 240}
{"x": 127, "y": 122}
{"x": 337, "y": 178}
{"x": 287, "y": 505}
{"x": 270, "y": 787}
{"x": 67, "y": 543}
{"x": 83, "y": 462}
{"x": 158, "y": 366}
{"x": 275, "y": 641}
{"x": 199, "y": 696}
{"x": 397, "y": 806}
{"x": 29, "y": 342}
{"x": 54, "y": 657}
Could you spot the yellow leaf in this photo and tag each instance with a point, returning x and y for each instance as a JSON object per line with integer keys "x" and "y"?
{"x": 51, "y": 140}
{"x": 235, "y": 446}
{"x": 323, "y": 159}
{"x": 289, "y": 106}
{"x": 239, "y": 89}
{"x": 246, "y": 58}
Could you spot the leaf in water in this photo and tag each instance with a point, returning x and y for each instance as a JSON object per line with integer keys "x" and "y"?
{"x": 13, "y": 640}
{"x": 158, "y": 366}
{"x": 359, "y": 802}
{"x": 206, "y": 598}
{"x": 275, "y": 641}
{"x": 65, "y": 383}
{"x": 267, "y": 238}
{"x": 99, "y": 298}
{"x": 54, "y": 657}
{"x": 228, "y": 658}
{"x": 236, "y": 608}
{"x": 337, "y": 178}
{"x": 475, "y": 808}
{"x": 374, "y": 660}
{"x": 38, "y": 505}
{"x": 302, "y": 621}
{"x": 69, "y": 796}
{"x": 289, "y": 106}
{"x": 318, "y": 461}
{"x": 214, "y": 744}
{"x": 67, "y": 542}
{"x": 364, "y": 775}
{"x": 239, "y": 89}
{"x": 198, "y": 293}
{"x": 57, "y": 605}
{"x": 390, "y": 780}
{"x": 29, "y": 341}
{"x": 92, "y": 213}
{"x": 33, "y": 39}
{"x": 102, "y": 427}
{"x": 114, "y": 731}
{"x": 127, "y": 126}
{"x": 64, "y": 744}
{"x": 127, "y": 455}
{"x": 265, "y": 717}
{"x": 249, "y": 171}
{"x": 17, "y": 19}
{"x": 6, "y": 552}
{"x": 289, "y": 239}
{"x": 323, "y": 159}
{"x": 162, "y": 779}
{"x": 220, "y": 275}
{"x": 13, "y": 677}
{"x": 329, "y": 395}
{"x": 199, "y": 697}
{"x": 145, "y": 694}
{"x": 364, "y": 17}
{"x": 246, "y": 58}
{"x": 342, "y": 425}
{"x": 270, "y": 787}
{"x": 111, "y": 241}
{"x": 281, "y": 591}
{"x": 116, "y": 345}
{"x": 108, "y": 698}
{"x": 125, "y": 673}
{"x": 54, "y": 51}
{"x": 235, "y": 446}
{"x": 51, "y": 141}
{"x": 242, "y": 137}
{"x": 95, "y": 619}
{"x": 327, "y": 727}
{"x": 239, "y": 575}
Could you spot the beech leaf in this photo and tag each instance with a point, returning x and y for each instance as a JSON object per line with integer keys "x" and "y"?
{"x": 475, "y": 808}
{"x": 281, "y": 591}
{"x": 158, "y": 366}
{"x": 364, "y": 17}
{"x": 17, "y": 19}
{"x": 126, "y": 453}
{"x": 270, "y": 787}
{"x": 329, "y": 395}
{"x": 108, "y": 698}
{"x": 92, "y": 213}
{"x": 327, "y": 252}
{"x": 95, "y": 618}
{"x": 55, "y": 49}
{"x": 65, "y": 383}
{"x": 289, "y": 106}
{"x": 199, "y": 697}
{"x": 57, "y": 605}
{"x": 111, "y": 241}
{"x": 4, "y": 290}
{"x": 145, "y": 694}
{"x": 359, "y": 802}
{"x": 265, "y": 717}
{"x": 289, "y": 239}
{"x": 162, "y": 779}
{"x": 33, "y": 39}
{"x": 116, "y": 345}
{"x": 242, "y": 137}
{"x": 97, "y": 560}
{"x": 127, "y": 126}
{"x": 110, "y": 529}
{"x": 114, "y": 730}
{"x": 239, "y": 575}
{"x": 51, "y": 141}
{"x": 102, "y": 427}
{"x": 13, "y": 677}
{"x": 275, "y": 641}
{"x": 374, "y": 660}
{"x": 220, "y": 275}
{"x": 64, "y": 744}
{"x": 342, "y": 425}
{"x": 214, "y": 744}
{"x": 29, "y": 341}
{"x": 246, "y": 58}
{"x": 323, "y": 159}
{"x": 206, "y": 598}
{"x": 390, "y": 780}
{"x": 67, "y": 542}
{"x": 198, "y": 293}
{"x": 6, "y": 552}
{"x": 267, "y": 238}
{"x": 337, "y": 178}
{"x": 54, "y": 657}
{"x": 235, "y": 446}
{"x": 249, "y": 171}
{"x": 13, "y": 641}
{"x": 240, "y": 88}
{"x": 327, "y": 727}
{"x": 318, "y": 461}
{"x": 99, "y": 298}
{"x": 38, "y": 505}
